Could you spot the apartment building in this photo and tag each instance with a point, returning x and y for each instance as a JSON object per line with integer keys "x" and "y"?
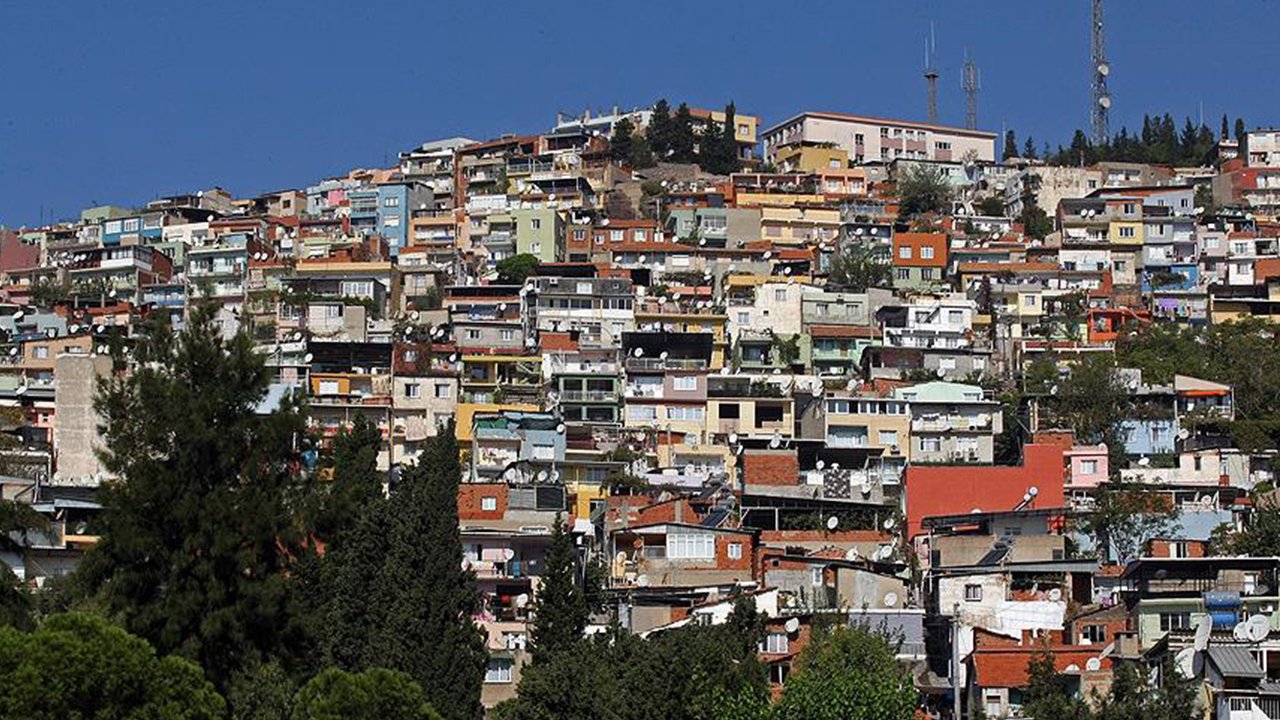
{"x": 872, "y": 139}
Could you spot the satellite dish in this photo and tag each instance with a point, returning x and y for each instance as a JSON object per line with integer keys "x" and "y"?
{"x": 733, "y": 438}
{"x": 820, "y": 464}
{"x": 522, "y": 600}
{"x": 1033, "y": 491}
{"x": 18, "y": 315}
{"x": 642, "y": 580}
{"x": 73, "y": 329}
{"x": 560, "y": 428}
{"x": 308, "y": 358}
{"x": 1203, "y": 630}
{"x": 508, "y": 554}
{"x": 891, "y": 599}
{"x": 775, "y": 443}
{"x": 792, "y": 625}
{"x": 1144, "y": 461}
{"x": 638, "y": 352}
{"x": 833, "y": 522}
{"x": 1183, "y": 434}
{"x": 1071, "y": 669}
{"x": 851, "y": 554}
{"x": 889, "y": 522}
{"x": 1105, "y": 101}
{"x": 542, "y": 475}
{"x": 1055, "y": 594}
{"x": 767, "y": 254}
{"x": 865, "y": 487}
{"x": 1093, "y": 665}
{"x": 1185, "y": 661}
{"x": 13, "y": 351}
{"x": 1104, "y": 69}
{"x": 663, "y": 355}
{"x": 1257, "y": 628}
{"x": 1240, "y": 632}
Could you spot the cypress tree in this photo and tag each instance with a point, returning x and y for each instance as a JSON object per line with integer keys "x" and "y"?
{"x": 560, "y": 609}
{"x": 427, "y": 630}
{"x": 681, "y": 143}
{"x": 1010, "y": 145}
{"x": 659, "y": 130}
{"x": 1029, "y": 149}
{"x": 1225, "y": 133}
{"x": 620, "y": 144}
{"x": 1240, "y": 130}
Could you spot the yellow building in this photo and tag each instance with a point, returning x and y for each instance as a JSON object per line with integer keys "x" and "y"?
{"x": 811, "y": 158}
{"x": 1125, "y": 233}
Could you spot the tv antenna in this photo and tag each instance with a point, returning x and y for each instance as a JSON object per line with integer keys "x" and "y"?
{"x": 931, "y": 75}
{"x": 972, "y": 83}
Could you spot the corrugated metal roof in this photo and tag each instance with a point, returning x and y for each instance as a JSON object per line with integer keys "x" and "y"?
{"x": 1235, "y": 662}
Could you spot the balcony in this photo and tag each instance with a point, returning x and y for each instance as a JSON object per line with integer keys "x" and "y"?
{"x": 634, "y": 363}
{"x": 588, "y": 396}
{"x": 951, "y": 424}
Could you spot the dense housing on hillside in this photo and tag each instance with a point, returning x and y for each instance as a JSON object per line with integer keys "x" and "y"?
{"x": 789, "y": 380}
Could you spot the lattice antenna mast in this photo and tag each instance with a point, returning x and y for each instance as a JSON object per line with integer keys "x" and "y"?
{"x": 931, "y": 75}
{"x": 1100, "y": 101}
{"x": 971, "y": 82}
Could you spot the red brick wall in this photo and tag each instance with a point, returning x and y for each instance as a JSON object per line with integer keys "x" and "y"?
{"x": 770, "y": 467}
{"x": 724, "y": 562}
{"x": 953, "y": 490}
{"x": 470, "y": 494}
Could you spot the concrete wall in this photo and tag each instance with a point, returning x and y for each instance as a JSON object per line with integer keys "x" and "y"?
{"x": 76, "y": 437}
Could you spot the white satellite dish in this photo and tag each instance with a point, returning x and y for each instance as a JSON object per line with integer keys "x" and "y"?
{"x": 663, "y": 355}
{"x": 733, "y": 438}
{"x": 851, "y": 554}
{"x": 308, "y": 358}
{"x": 73, "y": 329}
{"x": 642, "y": 580}
{"x": 522, "y": 600}
{"x": 1144, "y": 461}
{"x": 638, "y": 352}
{"x": 820, "y": 464}
{"x": 792, "y": 625}
{"x": 18, "y": 315}
{"x": 1071, "y": 669}
{"x": 1257, "y": 628}
{"x": 883, "y": 552}
{"x": 1104, "y": 69}
{"x": 542, "y": 475}
{"x": 865, "y": 488}
{"x": 1105, "y": 101}
{"x": 508, "y": 554}
{"x": 1093, "y": 665}
{"x": 1055, "y": 594}
{"x": 1203, "y": 630}
{"x": 891, "y": 599}
{"x": 833, "y": 522}
{"x": 561, "y": 428}
{"x": 775, "y": 443}
{"x": 767, "y": 254}
{"x": 888, "y": 523}
{"x": 1240, "y": 632}
{"x": 1185, "y": 661}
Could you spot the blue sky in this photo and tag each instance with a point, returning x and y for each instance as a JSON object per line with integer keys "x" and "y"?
{"x": 122, "y": 102}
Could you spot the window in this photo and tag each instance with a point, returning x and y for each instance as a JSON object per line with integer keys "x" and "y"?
{"x": 744, "y": 317}
{"x": 681, "y": 412}
{"x": 744, "y": 129}
{"x": 1029, "y": 301}
{"x": 391, "y": 202}
{"x": 1179, "y": 549}
{"x": 973, "y": 593}
{"x": 884, "y": 132}
{"x": 1089, "y": 467}
{"x": 1175, "y": 621}
{"x": 508, "y": 334}
{"x": 473, "y": 334}
{"x": 815, "y": 576}
{"x": 642, "y": 412}
{"x": 904, "y": 274}
{"x": 942, "y": 146}
{"x": 536, "y": 223}
{"x": 499, "y": 671}
{"x": 926, "y": 253}
{"x": 775, "y": 643}
{"x": 413, "y": 390}
{"x": 328, "y": 387}
{"x": 926, "y": 273}
{"x": 780, "y": 295}
{"x": 1130, "y": 208}
{"x": 946, "y": 363}
{"x": 391, "y": 221}
{"x": 357, "y": 288}
{"x": 955, "y": 317}
{"x": 131, "y": 225}
{"x": 639, "y": 235}
{"x": 113, "y": 227}
{"x": 444, "y": 391}
{"x": 685, "y": 382}
{"x": 931, "y": 444}
{"x": 1126, "y": 232}
{"x": 535, "y": 248}
{"x": 579, "y": 235}
{"x": 691, "y": 546}
{"x": 42, "y": 352}
{"x": 904, "y": 252}
{"x": 735, "y": 551}
{"x": 489, "y": 503}
{"x": 858, "y": 139}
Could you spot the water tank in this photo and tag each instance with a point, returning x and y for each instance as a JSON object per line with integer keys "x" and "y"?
{"x": 1224, "y": 618}
{"x": 1221, "y": 600}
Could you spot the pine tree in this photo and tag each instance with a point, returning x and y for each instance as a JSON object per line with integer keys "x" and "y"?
{"x": 682, "y": 141}
{"x": 660, "y": 129}
{"x": 1010, "y": 145}
{"x": 621, "y": 143}
{"x": 641, "y": 152}
{"x": 1225, "y": 133}
{"x": 1029, "y": 149}
{"x": 560, "y": 610}
{"x": 718, "y": 148}
{"x": 427, "y": 630}
{"x": 1187, "y": 143}
{"x": 198, "y": 535}
{"x": 1240, "y": 130}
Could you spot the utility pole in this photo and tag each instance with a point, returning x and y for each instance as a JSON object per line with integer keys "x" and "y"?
{"x": 931, "y": 76}
{"x": 1100, "y": 104}
{"x": 972, "y": 83}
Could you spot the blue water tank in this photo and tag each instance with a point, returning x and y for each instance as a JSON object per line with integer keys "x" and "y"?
{"x": 1224, "y": 618}
{"x": 1221, "y": 600}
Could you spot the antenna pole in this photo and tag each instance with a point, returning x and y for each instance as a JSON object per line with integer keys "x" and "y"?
{"x": 971, "y": 84}
{"x": 931, "y": 76}
{"x": 1100, "y": 101}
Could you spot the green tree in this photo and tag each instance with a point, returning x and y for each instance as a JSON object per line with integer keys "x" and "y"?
{"x": 1260, "y": 536}
{"x": 516, "y": 269}
{"x": 17, "y": 522}
{"x": 856, "y": 268}
{"x": 1010, "y": 145}
{"x": 991, "y": 206}
{"x": 660, "y": 129}
{"x": 1091, "y": 400}
{"x": 374, "y": 694}
{"x": 1177, "y": 698}
{"x": 80, "y": 666}
{"x": 199, "y": 533}
{"x": 621, "y": 144}
{"x": 718, "y": 148}
{"x": 560, "y": 608}
{"x": 261, "y": 692}
{"x": 681, "y": 143}
{"x": 641, "y": 152}
{"x": 1047, "y": 693}
{"x": 1029, "y": 149}
{"x": 1240, "y": 130}
{"x": 1126, "y": 516}
{"x": 848, "y": 673}
{"x": 421, "y": 603}
{"x": 1035, "y": 221}
{"x": 923, "y": 189}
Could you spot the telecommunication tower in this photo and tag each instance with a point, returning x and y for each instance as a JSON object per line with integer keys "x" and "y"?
{"x": 931, "y": 76}
{"x": 1100, "y": 102}
{"x": 971, "y": 82}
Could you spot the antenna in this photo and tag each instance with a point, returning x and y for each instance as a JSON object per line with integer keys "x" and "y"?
{"x": 931, "y": 76}
{"x": 972, "y": 83}
{"x": 1100, "y": 102}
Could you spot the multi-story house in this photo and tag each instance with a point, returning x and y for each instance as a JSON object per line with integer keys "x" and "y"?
{"x": 1261, "y": 148}
{"x": 596, "y": 310}
{"x": 951, "y": 422}
{"x": 518, "y": 447}
{"x": 586, "y": 385}
{"x": 872, "y": 139}
{"x": 920, "y": 259}
{"x": 117, "y": 272}
{"x": 539, "y": 232}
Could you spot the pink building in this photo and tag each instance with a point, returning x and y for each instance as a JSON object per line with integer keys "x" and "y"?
{"x": 1087, "y": 467}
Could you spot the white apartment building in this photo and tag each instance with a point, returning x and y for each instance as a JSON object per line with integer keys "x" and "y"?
{"x": 872, "y": 139}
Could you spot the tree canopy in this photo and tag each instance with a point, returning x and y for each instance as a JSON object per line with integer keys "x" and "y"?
{"x": 923, "y": 189}
{"x": 848, "y": 673}
{"x": 370, "y": 695}
{"x": 856, "y": 268}
{"x": 516, "y": 269}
